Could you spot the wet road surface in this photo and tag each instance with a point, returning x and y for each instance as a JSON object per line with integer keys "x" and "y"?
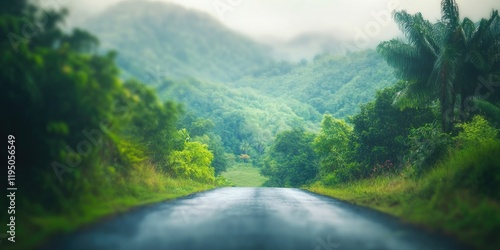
{"x": 252, "y": 218}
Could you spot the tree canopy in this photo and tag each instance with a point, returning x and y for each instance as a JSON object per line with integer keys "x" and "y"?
{"x": 445, "y": 60}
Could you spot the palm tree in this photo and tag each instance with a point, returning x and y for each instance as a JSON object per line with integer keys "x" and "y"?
{"x": 481, "y": 55}
{"x": 442, "y": 61}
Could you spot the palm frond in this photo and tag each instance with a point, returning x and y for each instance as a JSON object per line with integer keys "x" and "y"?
{"x": 418, "y": 31}
{"x": 483, "y": 47}
{"x": 485, "y": 26}
{"x": 479, "y": 60}
{"x": 414, "y": 95}
{"x": 468, "y": 28}
{"x": 450, "y": 14}
{"x": 488, "y": 109}
{"x": 407, "y": 62}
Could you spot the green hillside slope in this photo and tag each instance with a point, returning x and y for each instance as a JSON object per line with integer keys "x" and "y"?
{"x": 335, "y": 84}
{"x": 182, "y": 42}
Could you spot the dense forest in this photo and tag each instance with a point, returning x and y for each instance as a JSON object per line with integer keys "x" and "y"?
{"x": 108, "y": 119}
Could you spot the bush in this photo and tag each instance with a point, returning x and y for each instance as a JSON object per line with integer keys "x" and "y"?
{"x": 193, "y": 162}
{"x": 475, "y": 132}
{"x": 386, "y": 169}
{"x": 343, "y": 174}
{"x": 478, "y": 168}
{"x": 427, "y": 144}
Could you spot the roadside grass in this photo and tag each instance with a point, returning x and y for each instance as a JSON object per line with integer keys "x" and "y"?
{"x": 244, "y": 175}
{"x": 459, "y": 196}
{"x": 144, "y": 186}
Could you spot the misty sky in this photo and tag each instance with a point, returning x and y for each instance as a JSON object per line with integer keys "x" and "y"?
{"x": 286, "y": 18}
{"x": 361, "y": 22}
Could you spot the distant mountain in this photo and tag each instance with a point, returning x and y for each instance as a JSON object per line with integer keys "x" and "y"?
{"x": 335, "y": 84}
{"x": 180, "y": 42}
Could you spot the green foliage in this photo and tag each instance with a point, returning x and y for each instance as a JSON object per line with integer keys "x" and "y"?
{"x": 214, "y": 143}
{"x": 153, "y": 123}
{"x": 201, "y": 130}
{"x": 333, "y": 138}
{"x": 332, "y": 147}
{"x": 489, "y": 111}
{"x": 240, "y": 117}
{"x": 343, "y": 174}
{"x": 377, "y": 142}
{"x": 475, "y": 132}
{"x": 52, "y": 95}
{"x": 380, "y": 130}
{"x": 291, "y": 160}
{"x": 196, "y": 126}
{"x": 132, "y": 153}
{"x": 193, "y": 162}
{"x": 426, "y": 145}
{"x": 478, "y": 167}
{"x": 445, "y": 60}
{"x": 329, "y": 84}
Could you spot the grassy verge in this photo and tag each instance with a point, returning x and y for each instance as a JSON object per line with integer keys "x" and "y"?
{"x": 244, "y": 175}
{"x": 94, "y": 209}
{"x": 144, "y": 186}
{"x": 460, "y": 197}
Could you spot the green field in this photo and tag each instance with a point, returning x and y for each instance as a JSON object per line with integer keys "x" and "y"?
{"x": 244, "y": 175}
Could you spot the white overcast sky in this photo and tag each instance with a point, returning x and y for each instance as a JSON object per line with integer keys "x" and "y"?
{"x": 284, "y": 19}
{"x": 278, "y": 21}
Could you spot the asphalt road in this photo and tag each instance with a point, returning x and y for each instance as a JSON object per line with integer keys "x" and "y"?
{"x": 252, "y": 218}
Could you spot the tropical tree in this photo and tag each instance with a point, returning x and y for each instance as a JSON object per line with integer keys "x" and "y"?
{"x": 193, "y": 162}
{"x": 291, "y": 160}
{"x": 332, "y": 143}
{"x": 380, "y": 129}
{"x": 444, "y": 60}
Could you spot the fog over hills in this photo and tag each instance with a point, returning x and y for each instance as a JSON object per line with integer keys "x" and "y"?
{"x": 178, "y": 41}
{"x": 279, "y": 23}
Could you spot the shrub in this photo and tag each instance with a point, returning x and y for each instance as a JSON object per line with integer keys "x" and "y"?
{"x": 478, "y": 168}
{"x": 343, "y": 174}
{"x": 385, "y": 169}
{"x": 427, "y": 144}
{"x": 475, "y": 132}
{"x": 193, "y": 162}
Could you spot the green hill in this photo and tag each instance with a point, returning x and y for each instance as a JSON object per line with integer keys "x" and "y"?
{"x": 182, "y": 42}
{"x": 245, "y": 119}
{"x": 335, "y": 84}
